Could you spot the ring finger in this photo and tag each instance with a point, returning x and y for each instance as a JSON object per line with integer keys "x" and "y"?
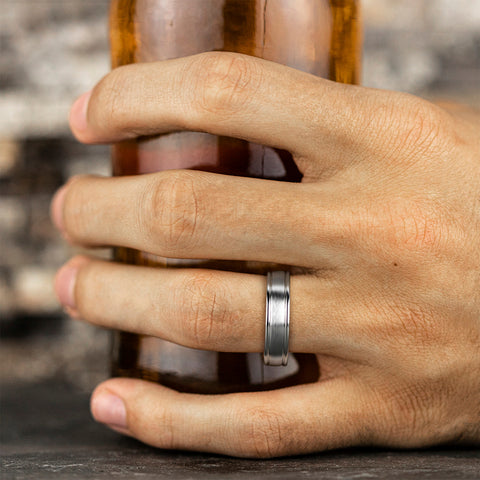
{"x": 208, "y": 309}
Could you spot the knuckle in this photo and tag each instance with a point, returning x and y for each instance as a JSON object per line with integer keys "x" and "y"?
{"x": 109, "y": 104}
{"x": 169, "y": 211}
{"x": 416, "y": 414}
{"x": 414, "y": 225}
{"x": 206, "y": 316}
{"x": 264, "y": 434}
{"x": 414, "y": 325}
{"x": 224, "y": 82}
{"x": 402, "y": 228}
{"x": 410, "y": 129}
{"x": 425, "y": 129}
{"x": 424, "y": 407}
{"x": 404, "y": 413}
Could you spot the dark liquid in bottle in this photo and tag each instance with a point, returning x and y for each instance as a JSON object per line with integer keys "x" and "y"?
{"x": 317, "y": 36}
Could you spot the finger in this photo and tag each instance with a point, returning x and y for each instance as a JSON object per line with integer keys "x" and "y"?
{"x": 217, "y": 92}
{"x": 191, "y": 214}
{"x": 289, "y": 421}
{"x": 238, "y": 96}
{"x": 219, "y": 311}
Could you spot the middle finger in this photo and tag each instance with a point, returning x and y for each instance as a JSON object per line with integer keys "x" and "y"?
{"x": 191, "y": 214}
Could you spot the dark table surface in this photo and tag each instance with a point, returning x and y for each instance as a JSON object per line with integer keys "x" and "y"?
{"x": 46, "y": 432}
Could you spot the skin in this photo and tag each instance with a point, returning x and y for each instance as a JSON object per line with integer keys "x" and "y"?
{"x": 387, "y": 242}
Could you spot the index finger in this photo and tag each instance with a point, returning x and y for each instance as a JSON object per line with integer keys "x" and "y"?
{"x": 224, "y": 94}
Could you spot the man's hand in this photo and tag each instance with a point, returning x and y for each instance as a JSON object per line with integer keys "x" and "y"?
{"x": 386, "y": 220}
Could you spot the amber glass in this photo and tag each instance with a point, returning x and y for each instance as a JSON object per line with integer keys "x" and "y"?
{"x": 322, "y": 37}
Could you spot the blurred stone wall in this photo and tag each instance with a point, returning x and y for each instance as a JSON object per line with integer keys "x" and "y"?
{"x": 54, "y": 50}
{"x": 51, "y": 52}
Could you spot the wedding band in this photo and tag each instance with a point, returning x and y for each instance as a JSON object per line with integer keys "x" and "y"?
{"x": 277, "y": 319}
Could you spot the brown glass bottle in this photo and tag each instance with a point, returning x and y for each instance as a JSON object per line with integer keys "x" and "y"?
{"x": 322, "y": 37}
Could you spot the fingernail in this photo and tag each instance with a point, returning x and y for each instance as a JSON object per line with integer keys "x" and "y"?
{"x": 56, "y": 209}
{"x": 78, "y": 112}
{"x": 65, "y": 286}
{"x": 110, "y": 409}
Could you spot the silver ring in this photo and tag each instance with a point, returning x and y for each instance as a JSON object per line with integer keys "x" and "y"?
{"x": 277, "y": 319}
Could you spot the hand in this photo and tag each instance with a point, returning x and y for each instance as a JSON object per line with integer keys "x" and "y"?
{"x": 386, "y": 222}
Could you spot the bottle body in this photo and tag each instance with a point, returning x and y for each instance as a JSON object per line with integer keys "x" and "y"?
{"x": 317, "y": 36}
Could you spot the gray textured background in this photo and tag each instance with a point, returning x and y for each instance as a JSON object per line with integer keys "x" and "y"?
{"x": 54, "y": 50}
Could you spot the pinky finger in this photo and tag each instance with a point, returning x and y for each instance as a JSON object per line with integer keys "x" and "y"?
{"x": 289, "y": 421}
